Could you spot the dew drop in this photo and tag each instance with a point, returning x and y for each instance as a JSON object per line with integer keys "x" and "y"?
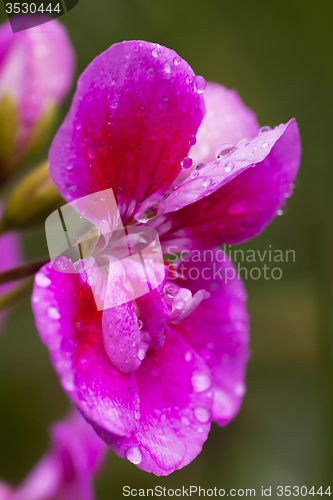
{"x": 207, "y": 183}
{"x": 141, "y": 354}
{"x": 168, "y": 67}
{"x": 265, "y": 129}
{"x": 78, "y": 126}
{"x": 265, "y": 144}
{"x": 192, "y": 140}
{"x": 185, "y": 421}
{"x": 91, "y": 148}
{"x": 114, "y": 105}
{"x": 133, "y": 454}
{"x": 156, "y": 51}
{"x": 164, "y": 103}
{"x": 199, "y": 84}
{"x": 194, "y": 174}
{"x": 177, "y": 61}
{"x": 229, "y": 166}
{"x": 170, "y": 291}
{"x": 83, "y": 364}
{"x": 187, "y": 162}
{"x": 242, "y": 143}
{"x": 151, "y": 72}
{"x": 225, "y": 150}
{"x": 140, "y": 324}
{"x": 188, "y": 356}
{"x": 42, "y": 280}
{"x": 202, "y": 414}
{"x": 53, "y": 313}
{"x": 200, "y": 381}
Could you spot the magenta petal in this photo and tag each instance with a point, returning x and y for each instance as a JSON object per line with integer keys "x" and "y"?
{"x": 66, "y": 471}
{"x": 175, "y": 409}
{"x": 121, "y": 337}
{"x": 243, "y": 200}
{"x": 131, "y": 122}
{"x": 71, "y": 327}
{"x": 36, "y": 70}
{"x": 227, "y": 120}
{"x": 218, "y": 328}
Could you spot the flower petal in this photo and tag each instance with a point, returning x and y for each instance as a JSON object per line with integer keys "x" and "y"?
{"x": 175, "y": 409}
{"x": 66, "y": 471}
{"x": 71, "y": 327}
{"x": 218, "y": 328}
{"x": 130, "y": 124}
{"x": 234, "y": 205}
{"x": 227, "y": 120}
{"x": 44, "y": 58}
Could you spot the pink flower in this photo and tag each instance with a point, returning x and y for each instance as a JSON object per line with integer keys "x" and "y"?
{"x": 36, "y": 71}
{"x": 150, "y": 376}
{"x": 67, "y": 469}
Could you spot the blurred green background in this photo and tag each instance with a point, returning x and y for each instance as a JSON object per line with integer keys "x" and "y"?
{"x": 278, "y": 56}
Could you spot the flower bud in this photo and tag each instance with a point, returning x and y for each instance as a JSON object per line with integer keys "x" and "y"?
{"x": 36, "y": 70}
{"x": 31, "y": 201}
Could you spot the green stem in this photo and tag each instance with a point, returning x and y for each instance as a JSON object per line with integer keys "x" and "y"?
{"x": 11, "y": 298}
{"x": 22, "y": 271}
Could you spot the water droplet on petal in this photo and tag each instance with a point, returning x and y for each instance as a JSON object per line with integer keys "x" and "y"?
{"x": 114, "y": 104}
{"x": 133, "y": 454}
{"x": 91, "y": 148}
{"x": 237, "y": 207}
{"x": 164, "y": 103}
{"x": 168, "y": 66}
{"x": 229, "y": 166}
{"x": 141, "y": 354}
{"x": 187, "y": 162}
{"x": 42, "y": 280}
{"x": 53, "y": 313}
{"x": 156, "y": 51}
{"x": 188, "y": 356}
{"x": 151, "y": 72}
{"x": 194, "y": 174}
{"x": 202, "y": 414}
{"x": 170, "y": 291}
{"x": 199, "y": 84}
{"x": 83, "y": 363}
{"x": 265, "y": 129}
{"x": 207, "y": 183}
{"x": 225, "y": 150}
{"x": 177, "y": 61}
{"x": 192, "y": 140}
{"x": 242, "y": 143}
{"x": 140, "y": 324}
{"x": 78, "y": 126}
{"x": 200, "y": 381}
